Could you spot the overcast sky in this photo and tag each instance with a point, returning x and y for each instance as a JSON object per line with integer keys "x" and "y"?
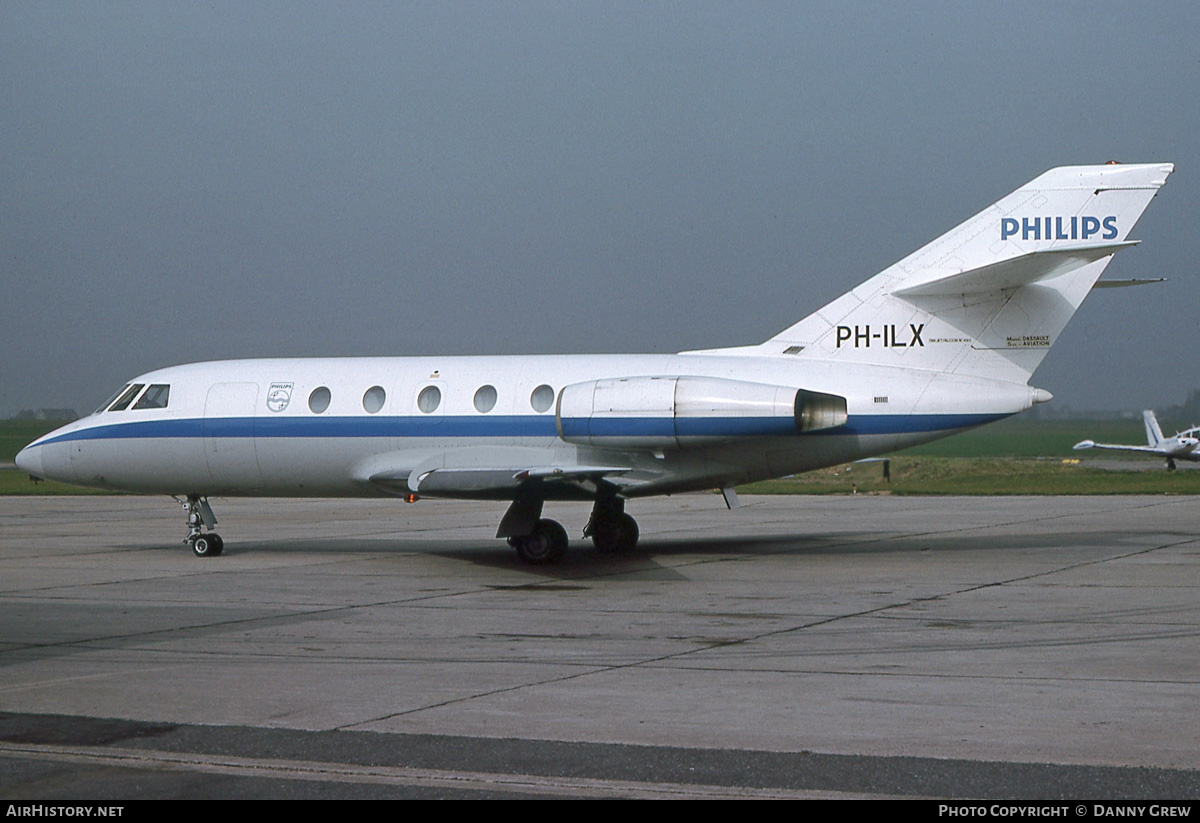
{"x": 192, "y": 181}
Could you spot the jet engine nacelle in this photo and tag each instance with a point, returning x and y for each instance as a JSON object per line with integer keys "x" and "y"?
{"x": 676, "y": 412}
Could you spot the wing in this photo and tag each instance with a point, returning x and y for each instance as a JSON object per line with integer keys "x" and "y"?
{"x": 1091, "y": 444}
{"x": 500, "y": 473}
{"x": 505, "y": 483}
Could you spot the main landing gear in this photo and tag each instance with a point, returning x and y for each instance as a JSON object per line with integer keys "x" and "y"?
{"x": 547, "y": 543}
{"x": 611, "y": 529}
{"x": 200, "y": 517}
{"x": 541, "y": 541}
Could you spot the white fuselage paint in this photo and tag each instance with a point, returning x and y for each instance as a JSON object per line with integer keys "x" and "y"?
{"x": 219, "y": 436}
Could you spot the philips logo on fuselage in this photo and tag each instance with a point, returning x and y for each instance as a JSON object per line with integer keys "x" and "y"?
{"x": 1059, "y": 228}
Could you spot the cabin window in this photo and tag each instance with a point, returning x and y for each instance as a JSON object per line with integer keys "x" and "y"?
{"x": 125, "y": 399}
{"x": 542, "y": 398}
{"x": 485, "y": 399}
{"x": 155, "y": 397}
{"x": 318, "y": 401}
{"x": 108, "y": 402}
{"x": 373, "y": 399}
{"x": 429, "y": 399}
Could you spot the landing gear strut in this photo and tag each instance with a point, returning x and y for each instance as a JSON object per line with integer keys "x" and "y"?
{"x": 200, "y": 517}
{"x": 611, "y": 529}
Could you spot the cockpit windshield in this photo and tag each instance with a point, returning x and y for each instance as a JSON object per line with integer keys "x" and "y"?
{"x": 126, "y": 397}
{"x": 155, "y": 397}
{"x": 103, "y": 406}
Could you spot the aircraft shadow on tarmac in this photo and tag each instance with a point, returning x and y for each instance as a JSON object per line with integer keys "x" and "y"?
{"x": 583, "y": 556}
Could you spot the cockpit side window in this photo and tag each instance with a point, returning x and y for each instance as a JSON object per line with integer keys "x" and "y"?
{"x": 103, "y": 406}
{"x": 127, "y": 397}
{"x": 155, "y": 397}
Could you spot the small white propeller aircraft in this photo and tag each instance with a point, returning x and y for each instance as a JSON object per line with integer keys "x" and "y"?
{"x": 1180, "y": 446}
{"x": 942, "y": 341}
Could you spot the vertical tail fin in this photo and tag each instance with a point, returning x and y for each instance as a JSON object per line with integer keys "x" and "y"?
{"x": 989, "y": 297}
{"x": 1154, "y": 434}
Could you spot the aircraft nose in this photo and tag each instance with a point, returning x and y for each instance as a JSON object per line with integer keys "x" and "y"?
{"x": 29, "y": 459}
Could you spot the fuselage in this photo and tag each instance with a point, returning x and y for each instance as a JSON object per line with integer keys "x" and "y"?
{"x": 1182, "y": 446}
{"x": 327, "y": 426}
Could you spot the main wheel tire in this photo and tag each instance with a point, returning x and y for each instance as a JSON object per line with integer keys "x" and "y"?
{"x": 615, "y": 535}
{"x": 606, "y": 535}
{"x": 218, "y": 545}
{"x": 628, "y": 528}
{"x": 547, "y": 544}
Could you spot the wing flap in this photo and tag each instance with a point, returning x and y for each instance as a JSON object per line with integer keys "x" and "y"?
{"x": 504, "y": 482}
{"x": 499, "y": 482}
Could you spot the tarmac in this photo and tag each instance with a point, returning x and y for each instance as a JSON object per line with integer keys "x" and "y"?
{"x": 798, "y": 646}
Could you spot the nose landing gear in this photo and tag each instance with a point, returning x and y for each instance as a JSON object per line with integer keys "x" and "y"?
{"x": 200, "y": 517}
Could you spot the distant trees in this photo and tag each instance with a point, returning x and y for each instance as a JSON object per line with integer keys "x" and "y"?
{"x": 1185, "y": 415}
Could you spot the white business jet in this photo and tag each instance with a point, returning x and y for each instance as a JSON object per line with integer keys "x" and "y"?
{"x": 1180, "y": 446}
{"x": 944, "y": 340}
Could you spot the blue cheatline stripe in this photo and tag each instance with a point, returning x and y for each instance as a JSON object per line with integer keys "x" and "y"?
{"x": 911, "y": 423}
{"x": 511, "y": 426}
{"x": 667, "y": 427}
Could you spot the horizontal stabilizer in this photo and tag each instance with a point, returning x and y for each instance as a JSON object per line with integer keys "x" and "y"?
{"x": 1118, "y": 284}
{"x": 1015, "y": 272}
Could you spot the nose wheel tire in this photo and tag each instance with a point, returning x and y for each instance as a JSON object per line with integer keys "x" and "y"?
{"x": 546, "y": 544}
{"x": 207, "y": 545}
